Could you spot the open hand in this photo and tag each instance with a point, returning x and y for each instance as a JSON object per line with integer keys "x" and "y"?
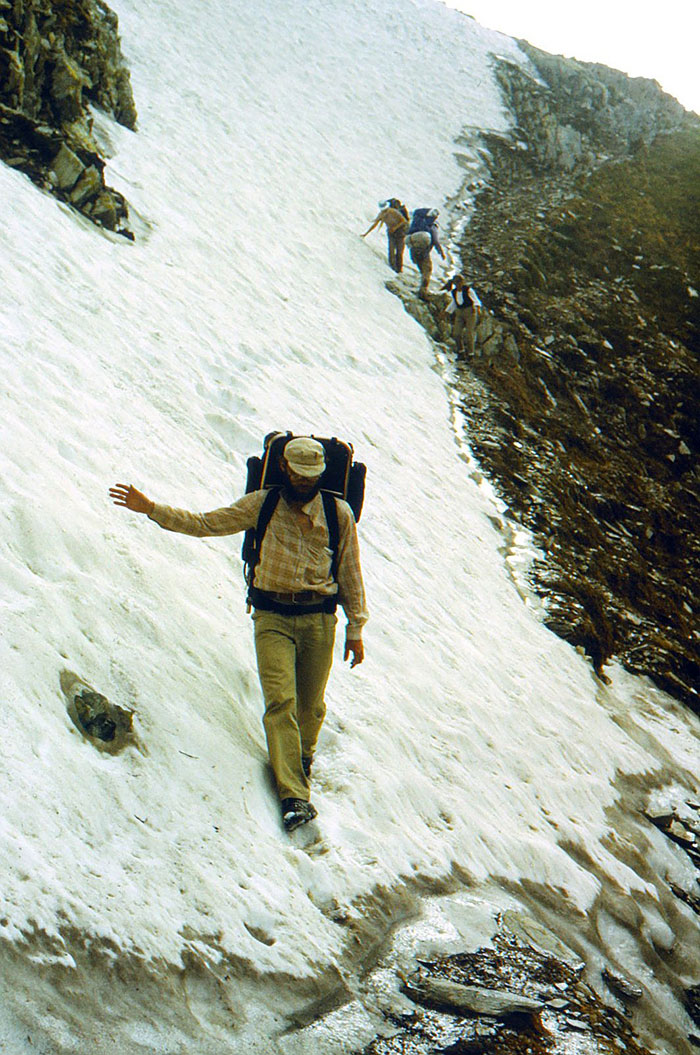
{"x": 128, "y": 496}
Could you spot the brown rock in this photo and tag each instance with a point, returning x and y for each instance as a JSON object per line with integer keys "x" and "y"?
{"x": 87, "y": 187}
{"x": 470, "y": 999}
{"x": 104, "y": 211}
{"x": 67, "y": 167}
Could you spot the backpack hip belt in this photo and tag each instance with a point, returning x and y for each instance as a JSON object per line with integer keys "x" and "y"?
{"x": 291, "y": 603}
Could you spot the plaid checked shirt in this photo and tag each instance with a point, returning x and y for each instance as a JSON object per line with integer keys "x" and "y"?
{"x": 295, "y": 555}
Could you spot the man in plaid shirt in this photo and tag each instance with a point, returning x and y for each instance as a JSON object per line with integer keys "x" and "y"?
{"x": 295, "y": 596}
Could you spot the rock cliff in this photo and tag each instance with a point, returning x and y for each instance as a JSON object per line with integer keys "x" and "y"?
{"x": 57, "y": 59}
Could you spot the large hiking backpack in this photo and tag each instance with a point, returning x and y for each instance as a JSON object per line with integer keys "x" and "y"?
{"x": 342, "y": 478}
{"x": 422, "y": 220}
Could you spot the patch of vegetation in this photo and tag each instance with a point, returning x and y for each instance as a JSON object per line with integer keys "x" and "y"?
{"x": 634, "y": 221}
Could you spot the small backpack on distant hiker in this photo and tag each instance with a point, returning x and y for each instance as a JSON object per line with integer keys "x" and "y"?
{"x": 421, "y": 233}
{"x": 342, "y": 478}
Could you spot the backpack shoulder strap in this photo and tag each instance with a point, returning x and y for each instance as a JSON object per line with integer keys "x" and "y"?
{"x": 264, "y": 517}
{"x": 331, "y": 512}
{"x": 268, "y": 507}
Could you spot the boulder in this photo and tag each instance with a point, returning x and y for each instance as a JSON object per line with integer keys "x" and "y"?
{"x": 67, "y": 168}
{"x": 67, "y": 83}
{"x": 469, "y": 999}
{"x": 104, "y": 210}
{"x": 105, "y": 725}
{"x": 87, "y": 187}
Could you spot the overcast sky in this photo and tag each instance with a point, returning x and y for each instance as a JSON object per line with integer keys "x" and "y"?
{"x": 658, "y": 41}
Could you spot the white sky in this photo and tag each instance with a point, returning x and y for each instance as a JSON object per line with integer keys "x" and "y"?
{"x": 645, "y": 40}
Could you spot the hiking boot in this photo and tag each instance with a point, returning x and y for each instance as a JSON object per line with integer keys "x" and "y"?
{"x": 296, "y": 812}
{"x": 306, "y": 764}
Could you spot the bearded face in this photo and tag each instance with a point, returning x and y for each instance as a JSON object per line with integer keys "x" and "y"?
{"x": 299, "y": 489}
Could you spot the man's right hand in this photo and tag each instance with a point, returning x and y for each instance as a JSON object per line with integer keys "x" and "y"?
{"x": 356, "y": 649}
{"x": 126, "y": 495}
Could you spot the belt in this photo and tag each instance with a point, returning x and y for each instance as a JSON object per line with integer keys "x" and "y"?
{"x": 303, "y": 597}
{"x": 306, "y": 601}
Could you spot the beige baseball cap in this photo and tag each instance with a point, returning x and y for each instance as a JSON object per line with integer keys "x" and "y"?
{"x": 305, "y": 456}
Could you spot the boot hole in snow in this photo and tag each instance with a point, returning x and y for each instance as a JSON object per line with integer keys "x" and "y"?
{"x": 259, "y": 934}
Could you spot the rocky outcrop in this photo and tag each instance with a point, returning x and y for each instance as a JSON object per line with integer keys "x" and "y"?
{"x": 57, "y": 59}
{"x": 583, "y": 247}
{"x": 575, "y": 114}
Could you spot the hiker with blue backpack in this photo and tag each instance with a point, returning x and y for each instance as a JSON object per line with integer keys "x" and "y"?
{"x": 422, "y": 237}
{"x": 305, "y": 562}
{"x": 394, "y": 215}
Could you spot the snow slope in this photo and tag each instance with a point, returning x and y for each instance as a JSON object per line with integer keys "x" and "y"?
{"x": 471, "y": 740}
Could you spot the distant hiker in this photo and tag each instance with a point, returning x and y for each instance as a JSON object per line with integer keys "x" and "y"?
{"x": 298, "y": 583}
{"x": 464, "y": 307}
{"x": 421, "y": 239}
{"x": 394, "y": 214}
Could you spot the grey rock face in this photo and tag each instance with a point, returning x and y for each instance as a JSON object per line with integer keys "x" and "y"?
{"x": 586, "y": 110}
{"x": 56, "y": 60}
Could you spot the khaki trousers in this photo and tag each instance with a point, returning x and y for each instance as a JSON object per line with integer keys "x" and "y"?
{"x": 295, "y": 654}
{"x": 420, "y": 244}
{"x": 464, "y": 324}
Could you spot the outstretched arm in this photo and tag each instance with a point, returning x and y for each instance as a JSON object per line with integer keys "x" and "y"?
{"x": 240, "y": 516}
{"x": 377, "y": 221}
{"x": 128, "y": 496}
